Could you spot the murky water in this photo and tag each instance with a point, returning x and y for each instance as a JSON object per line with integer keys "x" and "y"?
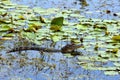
{"x": 32, "y": 65}
{"x": 95, "y": 8}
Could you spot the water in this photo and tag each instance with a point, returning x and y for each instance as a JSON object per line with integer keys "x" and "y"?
{"x": 32, "y": 65}
{"x": 95, "y": 8}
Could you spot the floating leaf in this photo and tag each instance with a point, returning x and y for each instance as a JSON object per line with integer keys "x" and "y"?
{"x": 21, "y": 17}
{"x": 28, "y": 35}
{"x": 33, "y": 27}
{"x": 115, "y": 50}
{"x": 39, "y": 10}
{"x": 68, "y": 55}
{"x": 5, "y": 28}
{"x": 2, "y": 47}
{"x": 56, "y": 23}
{"x": 116, "y": 37}
{"x": 6, "y": 38}
{"x": 9, "y": 35}
{"x": 80, "y": 26}
{"x": 56, "y": 38}
{"x": 111, "y": 73}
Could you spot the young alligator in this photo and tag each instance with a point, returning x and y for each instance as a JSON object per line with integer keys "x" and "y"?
{"x": 66, "y": 49}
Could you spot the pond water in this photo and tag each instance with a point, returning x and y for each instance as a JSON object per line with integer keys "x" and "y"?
{"x": 35, "y": 65}
{"x": 95, "y": 8}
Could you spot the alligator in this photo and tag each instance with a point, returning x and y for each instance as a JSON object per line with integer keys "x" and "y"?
{"x": 69, "y": 48}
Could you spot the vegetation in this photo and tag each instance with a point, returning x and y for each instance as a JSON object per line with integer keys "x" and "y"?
{"x": 100, "y": 38}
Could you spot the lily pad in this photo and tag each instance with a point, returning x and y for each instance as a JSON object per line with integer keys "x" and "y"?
{"x": 57, "y": 23}
{"x": 116, "y": 37}
{"x": 111, "y": 73}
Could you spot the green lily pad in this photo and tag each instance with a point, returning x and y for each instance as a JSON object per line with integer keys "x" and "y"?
{"x": 9, "y": 35}
{"x": 5, "y": 28}
{"x": 28, "y": 35}
{"x": 56, "y": 38}
{"x": 57, "y": 23}
{"x": 111, "y": 73}
{"x": 116, "y": 37}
